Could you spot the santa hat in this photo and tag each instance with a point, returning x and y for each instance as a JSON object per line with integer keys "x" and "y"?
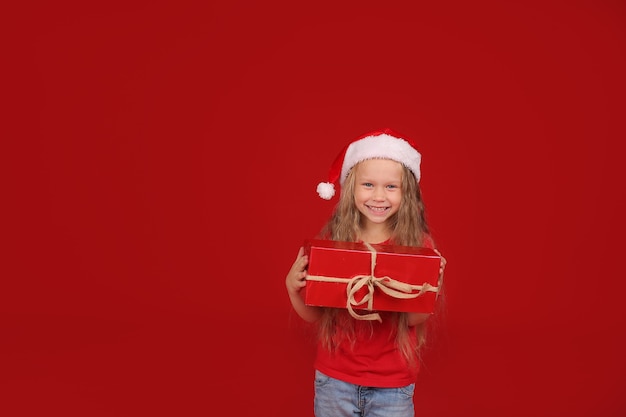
{"x": 383, "y": 144}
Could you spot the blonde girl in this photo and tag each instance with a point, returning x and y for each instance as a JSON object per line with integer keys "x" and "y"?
{"x": 368, "y": 368}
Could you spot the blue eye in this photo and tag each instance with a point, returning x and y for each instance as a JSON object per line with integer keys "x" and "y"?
{"x": 368, "y": 184}
{"x": 392, "y": 186}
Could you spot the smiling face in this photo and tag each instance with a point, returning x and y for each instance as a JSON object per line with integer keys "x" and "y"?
{"x": 377, "y": 190}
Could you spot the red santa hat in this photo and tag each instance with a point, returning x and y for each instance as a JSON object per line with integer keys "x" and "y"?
{"x": 383, "y": 144}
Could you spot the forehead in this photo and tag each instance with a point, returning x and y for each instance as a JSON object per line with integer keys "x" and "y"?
{"x": 379, "y": 167}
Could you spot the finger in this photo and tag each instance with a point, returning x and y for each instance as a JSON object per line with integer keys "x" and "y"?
{"x": 300, "y": 252}
{"x": 302, "y": 263}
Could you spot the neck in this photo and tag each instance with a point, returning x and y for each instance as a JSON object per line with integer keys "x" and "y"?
{"x": 375, "y": 233}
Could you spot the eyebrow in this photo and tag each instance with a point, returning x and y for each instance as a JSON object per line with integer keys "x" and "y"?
{"x": 365, "y": 179}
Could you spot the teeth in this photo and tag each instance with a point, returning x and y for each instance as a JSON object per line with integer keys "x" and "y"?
{"x": 380, "y": 209}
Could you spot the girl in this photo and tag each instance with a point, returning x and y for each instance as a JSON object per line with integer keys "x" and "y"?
{"x": 368, "y": 368}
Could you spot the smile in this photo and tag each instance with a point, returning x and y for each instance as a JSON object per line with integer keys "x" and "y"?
{"x": 377, "y": 209}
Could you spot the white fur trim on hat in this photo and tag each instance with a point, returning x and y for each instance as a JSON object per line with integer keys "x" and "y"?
{"x": 382, "y": 146}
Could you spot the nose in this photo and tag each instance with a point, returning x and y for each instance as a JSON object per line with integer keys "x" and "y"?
{"x": 379, "y": 194}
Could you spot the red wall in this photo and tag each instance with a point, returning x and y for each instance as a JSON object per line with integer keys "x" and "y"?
{"x": 160, "y": 168}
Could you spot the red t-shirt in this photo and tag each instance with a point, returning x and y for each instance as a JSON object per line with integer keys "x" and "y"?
{"x": 373, "y": 359}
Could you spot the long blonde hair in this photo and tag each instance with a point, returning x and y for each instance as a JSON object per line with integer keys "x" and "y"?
{"x": 408, "y": 228}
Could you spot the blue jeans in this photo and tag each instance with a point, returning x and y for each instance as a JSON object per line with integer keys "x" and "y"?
{"x": 335, "y": 398}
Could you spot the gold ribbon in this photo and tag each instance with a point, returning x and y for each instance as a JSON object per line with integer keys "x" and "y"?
{"x": 389, "y": 286}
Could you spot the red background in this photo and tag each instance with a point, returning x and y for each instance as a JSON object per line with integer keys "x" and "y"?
{"x": 159, "y": 173}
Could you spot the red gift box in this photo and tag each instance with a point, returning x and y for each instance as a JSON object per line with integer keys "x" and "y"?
{"x": 359, "y": 276}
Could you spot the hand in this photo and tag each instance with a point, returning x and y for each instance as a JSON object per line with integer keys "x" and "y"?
{"x": 442, "y": 265}
{"x": 295, "y": 278}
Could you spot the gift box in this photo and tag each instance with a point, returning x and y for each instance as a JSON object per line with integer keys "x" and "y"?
{"x": 359, "y": 276}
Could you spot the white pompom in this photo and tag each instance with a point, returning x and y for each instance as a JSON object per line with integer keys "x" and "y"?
{"x": 326, "y": 190}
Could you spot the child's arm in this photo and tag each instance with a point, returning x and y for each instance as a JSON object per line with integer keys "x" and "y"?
{"x": 295, "y": 282}
{"x": 417, "y": 318}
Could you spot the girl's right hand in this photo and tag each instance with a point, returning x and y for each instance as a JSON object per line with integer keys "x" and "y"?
{"x": 295, "y": 278}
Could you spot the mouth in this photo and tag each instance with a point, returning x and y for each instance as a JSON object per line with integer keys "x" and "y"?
{"x": 377, "y": 210}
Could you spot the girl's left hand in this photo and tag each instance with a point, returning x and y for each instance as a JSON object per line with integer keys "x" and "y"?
{"x": 442, "y": 265}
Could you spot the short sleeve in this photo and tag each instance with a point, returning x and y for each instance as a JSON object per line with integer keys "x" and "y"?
{"x": 428, "y": 242}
